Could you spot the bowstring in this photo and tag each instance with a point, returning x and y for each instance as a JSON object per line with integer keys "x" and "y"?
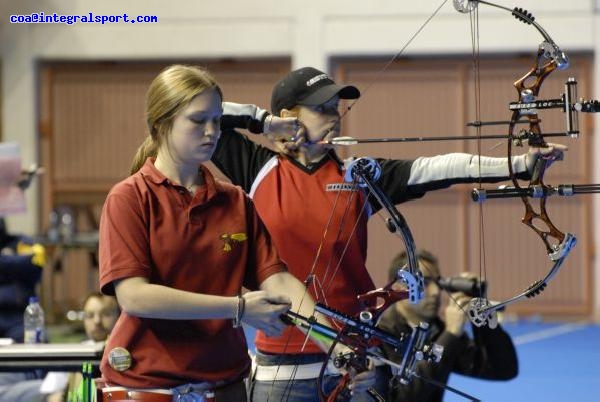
{"x": 321, "y": 287}
{"x": 332, "y": 256}
{"x": 393, "y": 59}
{"x": 339, "y": 264}
{"x": 351, "y": 235}
{"x": 311, "y": 280}
{"x": 317, "y": 284}
{"x": 475, "y": 53}
{"x": 312, "y": 276}
{"x": 475, "y": 48}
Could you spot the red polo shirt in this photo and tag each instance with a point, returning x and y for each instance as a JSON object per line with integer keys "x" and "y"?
{"x": 211, "y": 243}
{"x": 312, "y": 212}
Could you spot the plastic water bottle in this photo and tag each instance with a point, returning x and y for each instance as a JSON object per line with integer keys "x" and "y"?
{"x": 53, "y": 234}
{"x": 66, "y": 225}
{"x": 33, "y": 321}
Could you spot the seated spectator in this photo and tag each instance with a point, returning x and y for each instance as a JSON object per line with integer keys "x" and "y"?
{"x": 488, "y": 354}
{"x": 100, "y": 313}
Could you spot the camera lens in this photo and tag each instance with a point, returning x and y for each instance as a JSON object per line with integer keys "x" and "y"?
{"x": 469, "y": 286}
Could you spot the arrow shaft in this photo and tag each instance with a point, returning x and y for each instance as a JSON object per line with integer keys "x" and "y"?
{"x": 354, "y": 141}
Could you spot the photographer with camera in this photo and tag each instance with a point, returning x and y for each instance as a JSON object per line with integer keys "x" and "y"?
{"x": 489, "y": 355}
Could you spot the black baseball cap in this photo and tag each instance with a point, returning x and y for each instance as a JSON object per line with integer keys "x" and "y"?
{"x": 309, "y": 87}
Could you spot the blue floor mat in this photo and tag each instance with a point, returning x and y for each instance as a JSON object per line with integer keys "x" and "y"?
{"x": 557, "y": 362}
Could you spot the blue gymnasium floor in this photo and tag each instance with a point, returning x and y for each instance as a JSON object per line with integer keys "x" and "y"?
{"x": 558, "y": 362}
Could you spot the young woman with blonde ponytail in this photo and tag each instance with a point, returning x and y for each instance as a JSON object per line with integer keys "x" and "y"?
{"x": 176, "y": 248}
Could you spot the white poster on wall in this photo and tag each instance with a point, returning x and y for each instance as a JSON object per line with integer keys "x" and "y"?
{"x": 12, "y": 197}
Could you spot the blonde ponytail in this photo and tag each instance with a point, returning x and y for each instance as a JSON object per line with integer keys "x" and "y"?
{"x": 146, "y": 150}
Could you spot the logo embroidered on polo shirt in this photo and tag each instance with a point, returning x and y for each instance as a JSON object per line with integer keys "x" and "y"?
{"x": 230, "y": 239}
{"x": 341, "y": 187}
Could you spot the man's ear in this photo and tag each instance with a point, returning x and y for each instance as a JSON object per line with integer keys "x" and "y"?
{"x": 286, "y": 113}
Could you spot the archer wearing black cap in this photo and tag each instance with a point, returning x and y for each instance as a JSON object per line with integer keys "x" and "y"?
{"x": 309, "y": 87}
{"x": 317, "y": 221}
{"x": 312, "y": 97}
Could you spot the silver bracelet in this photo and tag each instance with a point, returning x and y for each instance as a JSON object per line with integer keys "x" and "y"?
{"x": 239, "y": 312}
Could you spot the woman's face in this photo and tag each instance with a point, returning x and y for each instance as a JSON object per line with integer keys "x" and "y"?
{"x": 196, "y": 129}
{"x": 321, "y": 122}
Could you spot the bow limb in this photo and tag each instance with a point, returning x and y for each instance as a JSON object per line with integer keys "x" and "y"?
{"x": 400, "y": 224}
{"x": 481, "y": 311}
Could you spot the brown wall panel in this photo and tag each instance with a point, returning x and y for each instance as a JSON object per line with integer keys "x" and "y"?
{"x": 436, "y": 222}
{"x": 98, "y": 124}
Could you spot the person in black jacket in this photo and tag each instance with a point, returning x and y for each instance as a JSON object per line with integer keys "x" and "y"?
{"x": 489, "y": 355}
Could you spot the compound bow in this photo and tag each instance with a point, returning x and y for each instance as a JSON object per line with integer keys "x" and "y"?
{"x": 558, "y": 244}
